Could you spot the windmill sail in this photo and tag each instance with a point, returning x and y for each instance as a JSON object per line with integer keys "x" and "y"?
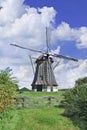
{"x": 44, "y": 75}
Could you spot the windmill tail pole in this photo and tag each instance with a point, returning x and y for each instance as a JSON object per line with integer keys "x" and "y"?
{"x": 31, "y": 64}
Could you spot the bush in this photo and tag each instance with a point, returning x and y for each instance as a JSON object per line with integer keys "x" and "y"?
{"x": 8, "y": 86}
{"x": 6, "y": 96}
{"x": 76, "y": 101}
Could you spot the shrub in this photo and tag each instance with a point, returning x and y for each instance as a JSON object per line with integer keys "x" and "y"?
{"x": 8, "y": 86}
{"x": 76, "y": 101}
{"x": 6, "y": 96}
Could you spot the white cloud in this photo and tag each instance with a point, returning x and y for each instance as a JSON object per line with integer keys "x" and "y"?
{"x": 82, "y": 40}
{"x": 47, "y": 15}
{"x": 68, "y": 73}
{"x": 65, "y": 33}
{"x": 23, "y": 72}
{"x": 23, "y": 24}
{"x": 24, "y": 75}
{"x": 26, "y": 26}
{"x": 11, "y": 9}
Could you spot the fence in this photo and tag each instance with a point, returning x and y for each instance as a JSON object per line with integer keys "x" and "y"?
{"x": 36, "y": 102}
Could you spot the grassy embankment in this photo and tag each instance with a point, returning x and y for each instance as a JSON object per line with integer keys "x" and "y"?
{"x": 38, "y": 119}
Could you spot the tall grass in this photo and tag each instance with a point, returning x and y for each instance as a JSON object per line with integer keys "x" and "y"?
{"x": 39, "y": 93}
{"x": 37, "y": 118}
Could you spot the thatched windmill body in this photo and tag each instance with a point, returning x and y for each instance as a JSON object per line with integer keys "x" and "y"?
{"x": 44, "y": 75}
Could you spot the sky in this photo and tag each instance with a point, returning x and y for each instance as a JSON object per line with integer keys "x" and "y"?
{"x": 24, "y": 22}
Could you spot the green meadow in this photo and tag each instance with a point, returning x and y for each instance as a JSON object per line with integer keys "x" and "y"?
{"x": 39, "y": 118}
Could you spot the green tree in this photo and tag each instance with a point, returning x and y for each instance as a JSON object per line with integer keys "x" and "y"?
{"x": 76, "y": 99}
{"x": 81, "y": 81}
{"x": 6, "y": 77}
{"x": 8, "y": 85}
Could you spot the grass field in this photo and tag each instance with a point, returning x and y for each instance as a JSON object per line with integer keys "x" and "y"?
{"x": 39, "y": 119}
{"x": 40, "y": 93}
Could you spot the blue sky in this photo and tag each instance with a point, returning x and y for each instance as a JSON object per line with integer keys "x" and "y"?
{"x": 71, "y": 11}
{"x": 24, "y": 21}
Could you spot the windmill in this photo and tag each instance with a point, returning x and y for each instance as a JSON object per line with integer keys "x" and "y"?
{"x": 44, "y": 75}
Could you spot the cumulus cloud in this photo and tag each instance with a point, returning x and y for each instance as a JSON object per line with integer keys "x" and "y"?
{"x": 23, "y": 71}
{"x": 68, "y": 73}
{"x": 11, "y": 9}
{"x": 82, "y": 40}
{"x": 65, "y": 33}
{"x": 25, "y": 25}
{"x": 47, "y": 15}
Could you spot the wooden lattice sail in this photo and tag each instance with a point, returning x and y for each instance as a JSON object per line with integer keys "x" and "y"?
{"x": 44, "y": 75}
